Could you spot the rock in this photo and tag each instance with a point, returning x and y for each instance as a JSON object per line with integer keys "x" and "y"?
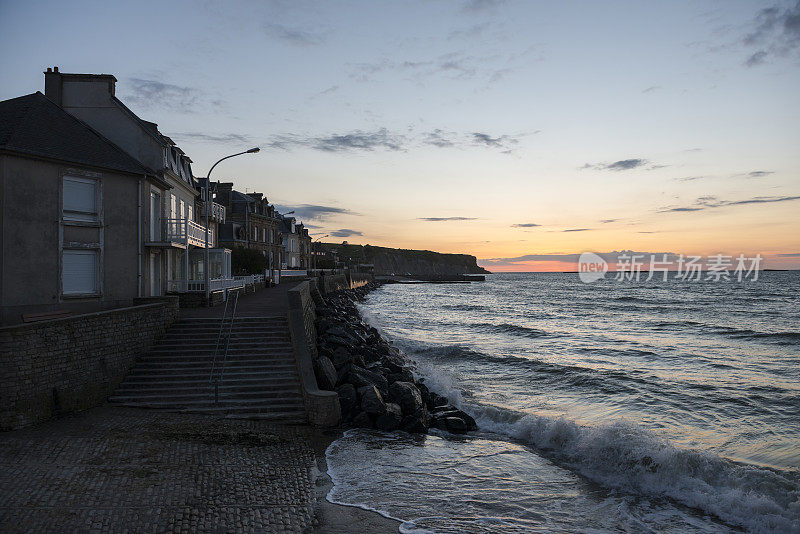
{"x": 391, "y": 419}
{"x": 403, "y": 376}
{"x": 437, "y": 400}
{"x": 341, "y": 357}
{"x": 325, "y": 373}
{"x": 371, "y": 400}
{"x": 417, "y": 423}
{"x": 342, "y": 374}
{"x": 407, "y": 396}
{"x": 424, "y": 393}
{"x": 362, "y": 420}
{"x": 348, "y": 400}
{"x": 454, "y": 424}
{"x": 361, "y": 377}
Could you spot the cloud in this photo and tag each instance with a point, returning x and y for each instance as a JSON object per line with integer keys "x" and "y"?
{"x": 384, "y": 139}
{"x": 294, "y": 36}
{"x": 504, "y": 141}
{"x": 710, "y": 202}
{"x": 611, "y": 257}
{"x": 345, "y": 232}
{"x": 440, "y": 219}
{"x": 606, "y": 221}
{"x": 229, "y": 138}
{"x": 621, "y": 165}
{"x": 759, "y": 174}
{"x": 314, "y": 211}
{"x": 152, "y": 93}
{"x": 775, "y": 32}
{"x": 651, "y": 89}
{"x": 577, "y": 230}
{"x": 353, "y": 141}
{"x": 474, "y": 6}
{"x": 439, "y": 139}
{"x": 525, "y": 225}
{"x": 789, "y": 255}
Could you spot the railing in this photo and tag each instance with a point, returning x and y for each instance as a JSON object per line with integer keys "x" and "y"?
{"x": 217, "y": 211}
{"x": 212, "y": 380}
{"x": 186, "y": 231}
{"x": 215, "y": 284}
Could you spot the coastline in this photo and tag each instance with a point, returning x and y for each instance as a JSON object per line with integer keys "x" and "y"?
{"x": 333, "y": 518}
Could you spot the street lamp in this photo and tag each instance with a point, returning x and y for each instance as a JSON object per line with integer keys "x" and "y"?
{"x": 207, "y": 206}
{"x": 312, "y": 249}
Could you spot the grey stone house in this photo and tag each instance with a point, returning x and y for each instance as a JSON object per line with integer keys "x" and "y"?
{"x": 70, "y": 214}
{"x": 174, "y": 230}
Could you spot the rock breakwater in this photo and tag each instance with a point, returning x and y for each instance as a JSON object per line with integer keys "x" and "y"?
{"x": 375, "y": 381}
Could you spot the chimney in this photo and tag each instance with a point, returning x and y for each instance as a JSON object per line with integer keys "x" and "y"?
{"x": 52, "y": 85}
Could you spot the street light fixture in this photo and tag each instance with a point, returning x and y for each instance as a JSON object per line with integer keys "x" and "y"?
{"x": 207, "y": 206}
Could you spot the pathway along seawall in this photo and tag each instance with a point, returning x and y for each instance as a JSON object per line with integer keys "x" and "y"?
{"x": 370, "y": 381}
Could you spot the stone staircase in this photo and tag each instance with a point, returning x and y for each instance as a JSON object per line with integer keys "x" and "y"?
{"x": 260, "y": 379}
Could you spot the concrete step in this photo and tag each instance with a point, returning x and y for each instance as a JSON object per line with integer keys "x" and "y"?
{"x": 208, "y": 395}
{"x": 180, "y": 375}
{"x": 280, "y": 390}
{"x": 256, "y": 405}
{"x": 184, "y": 361}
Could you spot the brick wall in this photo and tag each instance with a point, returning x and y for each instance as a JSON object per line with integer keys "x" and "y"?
{"x": 64, "y": 365}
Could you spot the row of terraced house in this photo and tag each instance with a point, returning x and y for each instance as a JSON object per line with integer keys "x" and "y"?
{"x": 98, "y": 207}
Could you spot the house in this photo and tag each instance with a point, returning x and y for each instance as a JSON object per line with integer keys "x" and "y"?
{"x": 175, "y": 236}
{"x": 304, "y": 241}
{"x": 252, "y": 223}
{"x": 291, "y": 242}
{"x": 71, "y": 213}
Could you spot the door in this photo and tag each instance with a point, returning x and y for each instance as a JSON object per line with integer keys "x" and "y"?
{"x": 155, "y": 274}
{"x": 155, "y": 216}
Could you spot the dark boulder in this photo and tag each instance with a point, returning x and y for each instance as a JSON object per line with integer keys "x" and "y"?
{"x": 361, "y": 377}
{"x": 391, "y": 419}
{"x": 362, "y": 420}
{"x": 348, "y": 400}
{"x": 417, "y": 423}
{"x": 372, "y": 400}
{"x": 325, "y": 373}
{"x": 407, "y": 396}
{"x": 341, "y": 357}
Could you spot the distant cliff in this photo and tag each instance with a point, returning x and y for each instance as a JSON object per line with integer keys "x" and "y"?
{"x": 403, "y": 262}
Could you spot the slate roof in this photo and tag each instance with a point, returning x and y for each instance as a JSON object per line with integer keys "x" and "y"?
{"x": 34, "y": 125}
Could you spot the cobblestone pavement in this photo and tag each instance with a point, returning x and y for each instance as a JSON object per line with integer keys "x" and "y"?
{"x": 115, "y": 469}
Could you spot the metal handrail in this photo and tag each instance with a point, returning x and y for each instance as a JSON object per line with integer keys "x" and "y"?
{"x": 221, "y": 375}
{"x": 216, "y": 347}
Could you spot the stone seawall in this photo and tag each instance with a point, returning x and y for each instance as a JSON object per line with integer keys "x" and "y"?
{"x": 74, "y": 363}
{"x": 336, "y": 282}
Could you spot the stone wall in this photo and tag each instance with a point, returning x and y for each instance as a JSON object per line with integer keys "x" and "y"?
{"x": 360, "y": 279}
{"x": 336, "y": 282}
{"x": 74, "y": 363}
{"x": 322, "y": 407}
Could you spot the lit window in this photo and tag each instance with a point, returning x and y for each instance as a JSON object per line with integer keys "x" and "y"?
{"x": 79, "y": 272}
{"x": 81, "y": 199}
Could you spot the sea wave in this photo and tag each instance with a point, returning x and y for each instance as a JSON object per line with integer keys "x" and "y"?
{"x": 627, "y": 457}
{"x": 508, "y": 328}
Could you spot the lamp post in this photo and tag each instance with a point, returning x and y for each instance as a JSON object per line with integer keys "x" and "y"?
{"x": 312, "y": 249}
{"x": 207, "y": 206}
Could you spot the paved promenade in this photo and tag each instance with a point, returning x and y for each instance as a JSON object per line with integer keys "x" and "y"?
{"x": 126, "y": 470}
{"x": 268, "y": 302}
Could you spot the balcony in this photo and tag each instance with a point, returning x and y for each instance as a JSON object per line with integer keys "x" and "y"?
{"x": 193, "y": 263}
{"x": 187, "y": 232}
{"x": 217, "y": 212}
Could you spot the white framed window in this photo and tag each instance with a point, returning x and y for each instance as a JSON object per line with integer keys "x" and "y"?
{"x": 191, "y": 213}
{"x": 173, "y": 207}
{"x": 81, "y": 199}
{"x": 80, "y": 272}
{"x": 183, "y": 210}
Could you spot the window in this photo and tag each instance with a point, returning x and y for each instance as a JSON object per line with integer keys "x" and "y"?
{"x": 183, "y": 211}
{"x": 263, "y": 235}
{"x": 271, "y": 235}
{"x": 81, "y": 199}
{"x": 173, "y": 208}
{"x": 79, "y": 272}
{"x": 191, "y": 214}
{"x": 255, "y": 233}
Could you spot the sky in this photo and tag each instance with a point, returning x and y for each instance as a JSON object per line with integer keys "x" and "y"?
{"x": 522, "y": 132}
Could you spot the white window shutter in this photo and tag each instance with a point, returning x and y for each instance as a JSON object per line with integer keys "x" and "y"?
{"x": 79, "y": 272}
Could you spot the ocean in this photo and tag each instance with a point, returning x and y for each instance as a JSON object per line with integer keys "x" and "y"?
{"x": 617, "y": 406}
